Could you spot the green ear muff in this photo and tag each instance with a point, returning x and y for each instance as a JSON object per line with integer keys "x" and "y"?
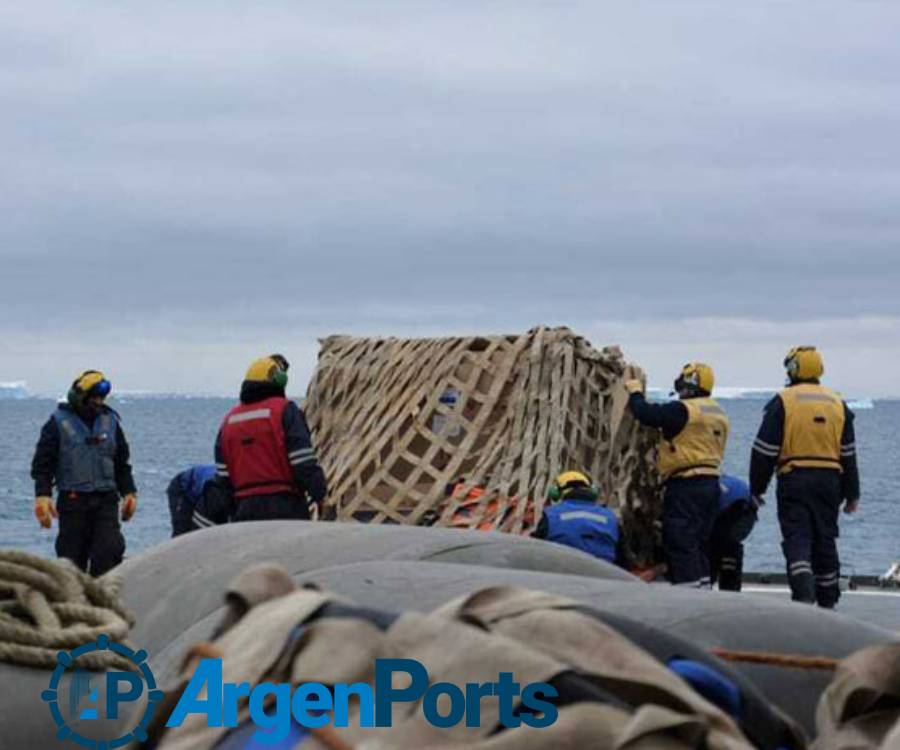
{"x": 554, "y": 494}
{"x": 280, "y": 378}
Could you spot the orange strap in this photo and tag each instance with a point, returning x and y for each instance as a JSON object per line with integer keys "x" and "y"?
{"x": 795, "y": 661}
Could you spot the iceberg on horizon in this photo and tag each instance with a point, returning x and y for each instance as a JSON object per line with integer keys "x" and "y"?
{"x": 14, "y": 390}
{"x": 728, "y": 393}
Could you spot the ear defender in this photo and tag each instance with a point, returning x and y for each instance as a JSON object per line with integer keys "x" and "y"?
{"x": 92, "y": 383}
{"x": 569, "y": 480}
{"x": 271, "y": 369}
{"x": 280, "y": 378}
{"x": 89, "y": 383}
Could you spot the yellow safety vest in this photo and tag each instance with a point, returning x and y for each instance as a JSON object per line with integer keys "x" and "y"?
{"x": 813, "y": 426}
{"x": 699, "y": 448}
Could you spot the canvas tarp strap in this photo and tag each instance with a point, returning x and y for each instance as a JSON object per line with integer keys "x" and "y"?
{"x": 861, "y": 707}
{"x": 552, "y": 623}
{"x": 538, "y": 637}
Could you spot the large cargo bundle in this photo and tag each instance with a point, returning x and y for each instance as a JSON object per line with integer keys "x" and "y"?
{"x": 398, "y": 421}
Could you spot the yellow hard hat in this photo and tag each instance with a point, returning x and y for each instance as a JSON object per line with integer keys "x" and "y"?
{"x": 804, "y": 363}
{"x": 88, "y": 380}
{"x": 696, "y": 376}
{"x": 572, "y": 477}
{"x": 89, "y": 383}
{"x": 568, "y": 480}
{"x": 267, "y": 370}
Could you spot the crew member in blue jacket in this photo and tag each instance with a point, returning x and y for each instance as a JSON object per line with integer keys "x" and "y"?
{"x": 577, "y": 520}
{"x": 736, "y": 519}
{"x": 198, "y": 499}
{"x": 83, "y": 452}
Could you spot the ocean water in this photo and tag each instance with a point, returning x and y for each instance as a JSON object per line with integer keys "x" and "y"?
{"x": 168, "y": 434}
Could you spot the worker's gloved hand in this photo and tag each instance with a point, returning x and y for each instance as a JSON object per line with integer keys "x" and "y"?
{"x": 313, "y": 508}
{"x": 45, "y": 511}
{"x": 756, "y": 502}
{"x": 129, "y": 506}
{"x": 851, "y": 506}
{"x": 634, "y": 386}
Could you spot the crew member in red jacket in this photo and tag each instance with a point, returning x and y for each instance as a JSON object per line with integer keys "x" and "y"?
{"x": 264, "y": 449}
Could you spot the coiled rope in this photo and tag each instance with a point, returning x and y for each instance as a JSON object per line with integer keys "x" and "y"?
{"x": 50, "y": 606}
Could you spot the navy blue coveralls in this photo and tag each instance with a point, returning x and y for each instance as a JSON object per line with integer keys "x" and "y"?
{"x": 198, "y": 499}
{"x": 809, "y": 500}
{"x": 690, "y": 504}
{"x": 87, "y": 457}
{"x": 736, "y": 519}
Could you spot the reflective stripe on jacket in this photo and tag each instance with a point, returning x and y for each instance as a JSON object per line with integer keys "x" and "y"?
{"x": 254, "y": 448}
{"x": 87, "y": 455}
{"x": 813, "y": 425}
{"x": 584, "y": 525}
{"x": 699, "y": 448}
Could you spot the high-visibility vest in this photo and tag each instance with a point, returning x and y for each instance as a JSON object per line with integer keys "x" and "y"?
{"x": 699, "y": 448}
{"x": 255, "y": 450}
{"x": 813, "y": 425}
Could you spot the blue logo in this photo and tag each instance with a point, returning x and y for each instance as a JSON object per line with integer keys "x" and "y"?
{"x": 276, "y": 709}
{"x": 84, "y": 705}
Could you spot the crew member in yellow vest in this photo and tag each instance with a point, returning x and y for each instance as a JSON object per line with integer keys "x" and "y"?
{"x": 807, "y": 437}
{"x": 694, "y": 433}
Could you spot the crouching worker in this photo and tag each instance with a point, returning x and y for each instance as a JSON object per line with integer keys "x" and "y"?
{"x": 264, "y": 450}
{"x": 736, "y": 519}
{"x": 198, "y": 499}
{"x": 577, "y": 520}
{"x": 83, "y": 451}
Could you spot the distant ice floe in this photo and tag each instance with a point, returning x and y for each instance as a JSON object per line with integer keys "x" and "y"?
{"x": 753, "y": 394}
{"x": 727, "y": 393}
{"x": 14, "y": 390}
{"x": 125, "y": 396}
{"x": 730, "y": 393}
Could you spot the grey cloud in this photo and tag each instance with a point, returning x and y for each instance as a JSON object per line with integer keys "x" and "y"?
{"x": 416, "y": 167}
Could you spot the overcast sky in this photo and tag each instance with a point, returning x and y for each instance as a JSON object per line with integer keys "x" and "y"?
{"x": 185, "y": 186}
